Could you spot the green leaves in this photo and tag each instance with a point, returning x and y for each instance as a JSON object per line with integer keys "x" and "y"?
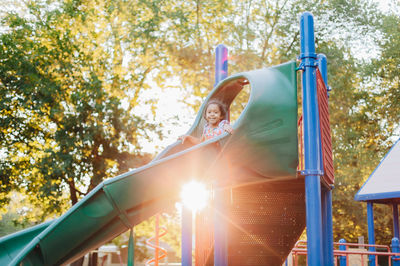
{"x": 72, "y": 73}
{"x": 63, "y": 125}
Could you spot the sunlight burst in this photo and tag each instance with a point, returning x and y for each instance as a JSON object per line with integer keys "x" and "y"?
{"x": 194, "y": 195}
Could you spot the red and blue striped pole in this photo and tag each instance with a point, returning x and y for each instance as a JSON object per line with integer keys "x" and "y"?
{"x": 220, "y": 234}
{"x": 312, "y": 142}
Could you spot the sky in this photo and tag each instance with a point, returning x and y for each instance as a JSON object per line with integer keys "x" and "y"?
{"x": 172, "y": 112}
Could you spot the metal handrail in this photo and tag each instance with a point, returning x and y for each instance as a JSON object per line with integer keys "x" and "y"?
{"x": 300, "y": 248}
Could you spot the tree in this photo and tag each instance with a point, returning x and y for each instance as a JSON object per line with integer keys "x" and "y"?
{"x": 265, "y": 33}
{"x": 72, "y": 77}
{"x": 68, "y": 101}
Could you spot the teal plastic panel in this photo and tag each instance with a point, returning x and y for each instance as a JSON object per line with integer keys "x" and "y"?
{"x": 11, "y": 245}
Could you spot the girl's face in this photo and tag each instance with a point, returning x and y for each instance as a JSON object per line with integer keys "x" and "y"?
{"x": 213, "y": 115}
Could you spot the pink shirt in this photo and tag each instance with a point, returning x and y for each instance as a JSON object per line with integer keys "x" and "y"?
{"x": 210, "y": 132}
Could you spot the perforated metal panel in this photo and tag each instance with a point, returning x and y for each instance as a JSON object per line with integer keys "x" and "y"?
{"x": 267, "y": 220}
{"x": 264, "y": 222}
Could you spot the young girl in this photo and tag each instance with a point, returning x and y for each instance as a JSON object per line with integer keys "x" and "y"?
{"x": 216, "y": 124}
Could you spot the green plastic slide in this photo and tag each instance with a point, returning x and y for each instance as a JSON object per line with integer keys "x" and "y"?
{"x": 263, "y": 147}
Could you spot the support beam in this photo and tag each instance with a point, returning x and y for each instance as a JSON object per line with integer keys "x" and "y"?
{"x": 220, "y": 232}
{"x": 312, "y": 142}
{"x": 327, "y": 225}
{"x": 395, "y": 220}
{"x": 395, "y": 249}
{"x": 342, "y": 259}
{"x": 220, "y": 237}
{"x": 371, "y": 231}
{"x": 186, "y": 236}
{"x": 221, "y": 63}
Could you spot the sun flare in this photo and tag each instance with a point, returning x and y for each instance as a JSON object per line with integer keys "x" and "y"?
{"x": 194, "y": 195}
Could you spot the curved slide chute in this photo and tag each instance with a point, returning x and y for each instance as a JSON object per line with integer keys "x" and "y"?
{"x": 262, "y": 147}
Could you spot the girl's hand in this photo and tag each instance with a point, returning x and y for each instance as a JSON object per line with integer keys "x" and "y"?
{"x": 187, "y": 138}
{"x": 182, "y": 138}
{"x": 228, "y": 128}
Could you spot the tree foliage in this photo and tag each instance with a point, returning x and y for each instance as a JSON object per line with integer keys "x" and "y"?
{"x": 68, "y": 102}
{"x": 72, "y": 74}
{"x": 261, "y": 33}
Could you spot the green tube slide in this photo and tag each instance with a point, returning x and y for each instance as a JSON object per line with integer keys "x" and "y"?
{"x": 262, "y": 147}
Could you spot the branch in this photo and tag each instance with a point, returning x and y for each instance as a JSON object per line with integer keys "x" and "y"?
{"x": 275, "y": 22}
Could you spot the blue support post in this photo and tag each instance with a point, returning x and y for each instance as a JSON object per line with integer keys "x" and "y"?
{"x": 186, "y": 236}
{"x": 323, "y": 68}
{"x": 312, "y": 142}
{"x": 342, "y": 259}
{"x": 327, "y": 225}
{"x": 220, "y": 234}
{"x": 395, "y": 249}
{"x": 221, "y": 63}
{"x": 395, "y": 220}
{"x": 326, "y": 196}
{"x": 371, "y": 231}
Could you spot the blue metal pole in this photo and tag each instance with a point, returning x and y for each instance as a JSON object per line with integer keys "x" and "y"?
{"x": 312, "y": 142}
{"x": 220, "y": 234}
{"x": 221, "y": 63}
{"x": 326, "y": 196}
{"x": 342, "y": 259}
{"x": 395, "y": 249}
{"x": 327, "y": 225}
{"x": 371, "y": 231}
{"x": 186, "y": 236}
{"x": 395, "y": 221}
{"x": 323, "y": 67}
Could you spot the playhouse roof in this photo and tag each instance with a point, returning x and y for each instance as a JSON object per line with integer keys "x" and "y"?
{"x": 383, "y": 185}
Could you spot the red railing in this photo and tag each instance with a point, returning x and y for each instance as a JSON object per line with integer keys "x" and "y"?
{"x": 326, "y": 141}
{"x": 300, "y": 249}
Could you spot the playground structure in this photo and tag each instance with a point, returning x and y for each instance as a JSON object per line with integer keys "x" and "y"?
{"x": 272, "y": 178}
{"x": 262, "y": 152}
{"x": 382, "y": 187}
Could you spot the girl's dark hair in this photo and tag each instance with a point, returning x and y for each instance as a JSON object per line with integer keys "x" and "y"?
{"x": 222, "y": 107}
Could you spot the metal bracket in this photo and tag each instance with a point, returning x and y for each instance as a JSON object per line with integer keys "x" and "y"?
{"x": 312, "y": 172}
{"x": 307, "y": 61}
{"x": 307, "y": 55}
{"x": 300, "y": 67}
{"x": 310, "y": 63}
